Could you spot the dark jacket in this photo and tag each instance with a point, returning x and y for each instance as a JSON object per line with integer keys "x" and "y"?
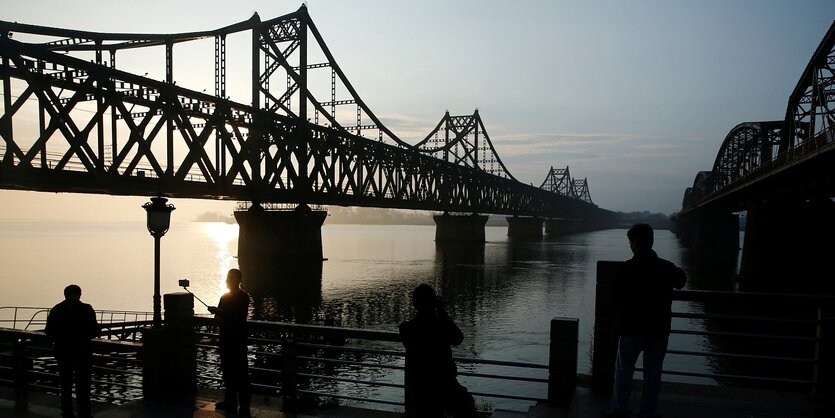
{"x": 643, "y": 294}
{"x": 71, "y": 324}
{"x": 234, "y": 309}
{"x": 427, "y": 338}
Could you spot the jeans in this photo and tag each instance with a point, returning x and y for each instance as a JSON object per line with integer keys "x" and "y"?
{"x": 629, "y": 347}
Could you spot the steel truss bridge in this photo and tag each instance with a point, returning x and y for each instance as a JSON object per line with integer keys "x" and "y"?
{"x": 75, "y": 120}
{"x": 784, "y": 159}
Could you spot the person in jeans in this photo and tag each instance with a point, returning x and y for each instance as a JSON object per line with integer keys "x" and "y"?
{"x": 642, "y": 296}
{"x": 71, "y": 325}
{"x": 231, "y": 313}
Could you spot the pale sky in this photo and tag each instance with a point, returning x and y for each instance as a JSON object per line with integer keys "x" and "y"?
{"x": 636, "y": 96}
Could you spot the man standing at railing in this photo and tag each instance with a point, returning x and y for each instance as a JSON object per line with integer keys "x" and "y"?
{"x": 231, "y": 313}
{"x": 431, "y": 384}
{"x": 72, "y": 324}
{"x": 643, "y": 297}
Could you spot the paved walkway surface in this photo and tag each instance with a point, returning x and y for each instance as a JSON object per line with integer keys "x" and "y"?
{"x": 677, "y": 401}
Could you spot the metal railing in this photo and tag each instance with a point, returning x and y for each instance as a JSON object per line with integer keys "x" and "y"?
{"x": 123, "y": 325}
{"x": 762, "y": 340}
{"x": 307, "y": 364}
{"x": 27, "y": 363}
{"x": 773, "y": 339}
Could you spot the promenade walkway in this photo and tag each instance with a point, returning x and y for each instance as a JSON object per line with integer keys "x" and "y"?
{"x": 677, "y": 401}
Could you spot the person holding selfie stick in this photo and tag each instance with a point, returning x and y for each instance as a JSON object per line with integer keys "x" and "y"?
{"x": 231, "y": 314}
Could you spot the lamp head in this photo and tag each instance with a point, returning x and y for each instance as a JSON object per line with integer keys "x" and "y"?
{"x": 159, "y": 215}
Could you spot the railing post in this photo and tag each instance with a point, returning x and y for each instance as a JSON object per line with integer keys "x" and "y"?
{"x": 562, "y": 360}
{"x": 289, "y": 375}
{"x": 20, "y": 365}
{"x": 823, "y": 388}
{"x": 605, "y": 346}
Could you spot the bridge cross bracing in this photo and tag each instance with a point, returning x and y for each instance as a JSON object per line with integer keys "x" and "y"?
{"x": 75, "y": 119}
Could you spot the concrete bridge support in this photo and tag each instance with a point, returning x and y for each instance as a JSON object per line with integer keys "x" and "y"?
{"x": 525, "y": 228}
{"x": 711, "y": 230}
{"x": 269, "y": 241}
{"x": 788, "y": 246}
{"x": 454, "y": 228}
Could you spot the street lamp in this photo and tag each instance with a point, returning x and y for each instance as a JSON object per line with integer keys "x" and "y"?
{"x": 159, "y": 218}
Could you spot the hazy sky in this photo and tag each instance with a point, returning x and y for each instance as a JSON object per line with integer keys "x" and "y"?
{"x": 637, "y": 96}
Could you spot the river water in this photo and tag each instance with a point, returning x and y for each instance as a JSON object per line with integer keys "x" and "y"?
{"x": 502, "y": 295}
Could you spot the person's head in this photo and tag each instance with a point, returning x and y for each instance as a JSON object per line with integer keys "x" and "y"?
{"x": 423, "y": 298}
{"x": 640, "y": 237}
{"x": 73, "y": 292}
{"x": 233, "y": 279}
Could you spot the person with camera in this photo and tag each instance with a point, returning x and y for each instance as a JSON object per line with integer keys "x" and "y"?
{"x": 431, "y": 374}
{"x": 231, "y": 314}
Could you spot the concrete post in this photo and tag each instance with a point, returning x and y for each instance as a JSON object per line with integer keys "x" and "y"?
{"x": 605, "y": 346}
{"x": 562, "y": 361}
{"x": 169, "y": 356}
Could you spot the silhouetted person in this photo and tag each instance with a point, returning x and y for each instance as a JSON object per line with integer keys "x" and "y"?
{"x": 231, "y": 313}
{"x": 71, "y": 325}
{"x": 430, "y": 371}
{"x": 642, "y": 296}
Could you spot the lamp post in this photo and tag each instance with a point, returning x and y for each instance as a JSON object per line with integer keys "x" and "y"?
{"x": 159, "y": 218}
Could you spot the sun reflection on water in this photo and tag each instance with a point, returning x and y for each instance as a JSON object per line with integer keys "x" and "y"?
{"x": 222, "y": 234}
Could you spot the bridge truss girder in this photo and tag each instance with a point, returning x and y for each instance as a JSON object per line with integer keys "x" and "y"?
{"x": 753, "y": 149}
{"x": 101, "y": 130}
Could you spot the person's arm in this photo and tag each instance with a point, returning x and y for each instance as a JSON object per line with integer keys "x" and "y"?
{"x": 93, "y": 327}
{"x": 678, "y": 278}
{"x": 51, "y": 326}
{"x": 451, "y": 331}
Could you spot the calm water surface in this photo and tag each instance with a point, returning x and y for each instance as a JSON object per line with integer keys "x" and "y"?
{"x": 502, "y": 295}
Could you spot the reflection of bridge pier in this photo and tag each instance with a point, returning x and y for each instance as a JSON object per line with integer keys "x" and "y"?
{"x": 788, "y": 244}
{"x": 459, "y": 228}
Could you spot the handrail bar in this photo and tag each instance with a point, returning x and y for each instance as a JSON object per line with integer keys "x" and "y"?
{"x": 743, "y": 335}
{"x": 744, "y": 318}
{"x": 736, "y": 376}
{"x": 743, "y": 356}
{"x": 706, "y": 295}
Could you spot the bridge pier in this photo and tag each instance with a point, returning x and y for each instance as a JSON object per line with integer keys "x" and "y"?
{"x": 459, "y": 228}
{"x": 711, "y": 230}
{"x": 523, "y": 227}
{"x": 272, "y": 240}
{"x": 789, "y": 245}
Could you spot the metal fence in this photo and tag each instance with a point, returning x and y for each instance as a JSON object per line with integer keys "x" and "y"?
{"x": 757, "y": 340}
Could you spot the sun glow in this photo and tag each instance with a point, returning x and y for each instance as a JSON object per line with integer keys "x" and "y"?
{"x": 222, "y": 234}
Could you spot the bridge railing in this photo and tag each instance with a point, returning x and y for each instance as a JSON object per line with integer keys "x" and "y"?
{"x": 761, "y": 340}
